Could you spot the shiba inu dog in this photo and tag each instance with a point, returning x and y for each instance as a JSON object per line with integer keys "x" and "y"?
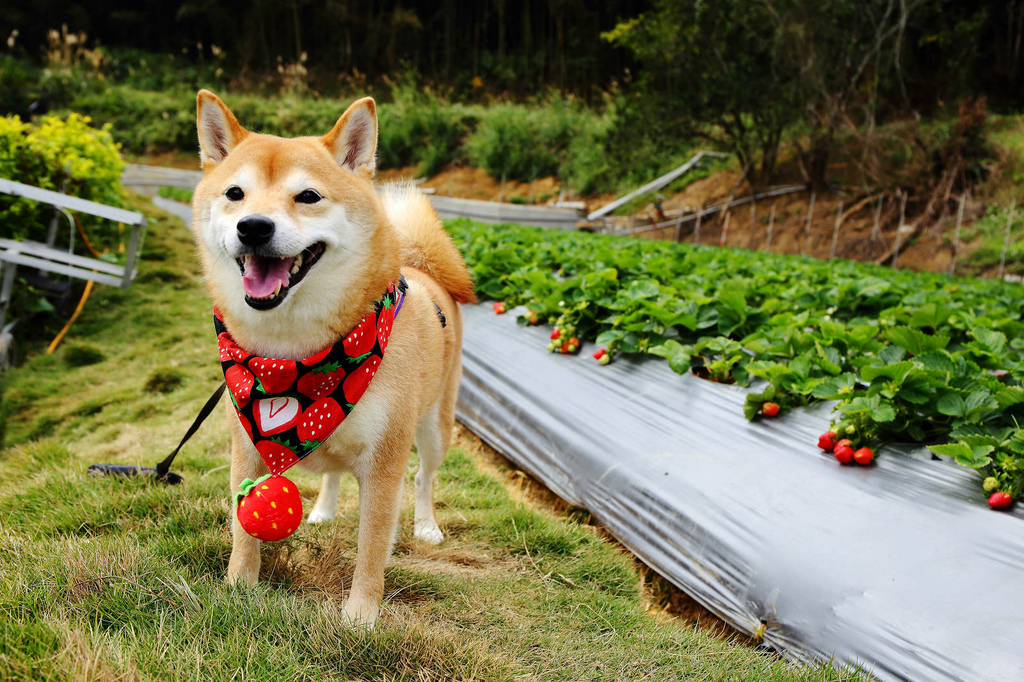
{"x": 297, "y": 245}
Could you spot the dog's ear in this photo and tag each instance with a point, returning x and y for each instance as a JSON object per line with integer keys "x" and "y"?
{"x": 353, "y": 139}
{"x": 219, "y": 131}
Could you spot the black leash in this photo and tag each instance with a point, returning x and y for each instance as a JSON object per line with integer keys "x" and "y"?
{"x": 162, "y": 471}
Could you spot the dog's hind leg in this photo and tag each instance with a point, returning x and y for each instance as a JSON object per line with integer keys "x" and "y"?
{"x": 433, "y": 436}
{"x": 327, "y": 501}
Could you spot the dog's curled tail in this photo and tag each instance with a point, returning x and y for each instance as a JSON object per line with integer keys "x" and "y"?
{"x": 425, "y": 244}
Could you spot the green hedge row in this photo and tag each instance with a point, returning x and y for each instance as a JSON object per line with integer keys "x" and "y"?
{"x": 553, "y": 136}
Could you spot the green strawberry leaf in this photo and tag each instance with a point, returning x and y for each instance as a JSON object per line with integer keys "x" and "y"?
{"x": 326, "y": 368}
{"x": 951, "y": 404}
{"x": 677, "y": 354}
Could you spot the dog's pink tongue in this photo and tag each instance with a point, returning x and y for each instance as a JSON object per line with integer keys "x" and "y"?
{"x": 262, "y": 275}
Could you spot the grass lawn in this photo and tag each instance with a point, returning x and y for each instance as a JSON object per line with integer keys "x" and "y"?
{"x": 105, "y": 578}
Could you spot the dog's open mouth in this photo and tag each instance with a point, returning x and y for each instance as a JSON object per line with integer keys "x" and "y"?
{"x": 268, "y": 279}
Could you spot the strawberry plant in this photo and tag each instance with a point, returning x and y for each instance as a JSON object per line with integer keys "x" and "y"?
{"x": 907, "y": 357}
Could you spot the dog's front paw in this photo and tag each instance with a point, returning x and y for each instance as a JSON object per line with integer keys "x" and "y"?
{"x": 317, "y": 515}
{"x": 428, "y": 532}
{"x": 361, "y": 612}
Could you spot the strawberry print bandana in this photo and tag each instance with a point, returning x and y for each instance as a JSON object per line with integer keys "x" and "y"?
{"x": 289, "y": 408}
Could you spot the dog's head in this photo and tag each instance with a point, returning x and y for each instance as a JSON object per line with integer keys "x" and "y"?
{"x": 279, "y": 222}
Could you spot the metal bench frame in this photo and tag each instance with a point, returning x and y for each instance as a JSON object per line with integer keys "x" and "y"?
{"x": 50, "y": 259}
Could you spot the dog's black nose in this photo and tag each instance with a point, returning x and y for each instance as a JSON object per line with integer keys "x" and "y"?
{"x": 255, "y": 230}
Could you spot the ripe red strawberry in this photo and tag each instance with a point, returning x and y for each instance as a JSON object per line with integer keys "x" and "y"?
{"x": 565, "y": 347}
{"x": 499, "y": 308}
{"x": 316, "y": 359}
{"x": 769, "y": 409}
{"x": 863, "y": 456}
{"x": 844, "y": 454}
{"x": 275, "y": 375}
{"x": 269, "y": 508}
{"x": 277, "y": 455}
{"x": 600, "y": 353}
{"x": 240, "y": 383}
{"x": 361, "y": 339}
{"x": 999, "y": 500}
{"x": 555, "y": 334}
{"x": 317, "y": 422}
{"x": 384, "y": 323}
{"x": 827, "y": 441}
{"x": 357, "y": 381}
{"x": 321, "y": 381}
{"x": 844, "y": 443}
{"x": 229, "y": 350}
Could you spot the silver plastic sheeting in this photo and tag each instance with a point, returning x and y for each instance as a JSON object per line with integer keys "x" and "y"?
{"x": 900, "y": 567}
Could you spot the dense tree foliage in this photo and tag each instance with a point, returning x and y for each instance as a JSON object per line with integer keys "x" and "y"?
{"x": 742, "y": 74}
{"x": 514, "y": 45}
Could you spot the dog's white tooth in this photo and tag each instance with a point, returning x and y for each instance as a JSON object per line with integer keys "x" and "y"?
{"x": 272, "y": 297}
{"x": 278, "y": 289}
{"x": 298, "y": 262}
{"x": 294, "y": 270}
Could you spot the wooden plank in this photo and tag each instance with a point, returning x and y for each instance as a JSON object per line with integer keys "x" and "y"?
{"x": 496, "y": 212}
{"x": 60, "y": 268}
{"x": 156, "y": 176}
{"x": 72, "y": 203}
{"x": 8, "y": 246}
{"x": 651, "y": 186}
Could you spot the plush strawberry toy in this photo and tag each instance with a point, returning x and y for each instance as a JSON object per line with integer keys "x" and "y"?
{"x": 269, "y": 508}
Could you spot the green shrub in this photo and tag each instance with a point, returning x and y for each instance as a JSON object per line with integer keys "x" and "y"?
{"x": 176, "y": 194}
{"x": 82, "y": 354}
{"x": 164, "y": 380}
{"x": 16, "y": 85}
{"x": 524, "y": 142}
{"x": 58, "y": 154}
{"x": 418, "y": 127}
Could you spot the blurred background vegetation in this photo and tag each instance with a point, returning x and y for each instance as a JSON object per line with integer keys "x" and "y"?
{"x": 602, "y": 95}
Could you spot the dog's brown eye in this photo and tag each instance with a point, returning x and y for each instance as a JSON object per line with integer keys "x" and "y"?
{"x": 234, "y": 193}
{"x": 307, "y": 197}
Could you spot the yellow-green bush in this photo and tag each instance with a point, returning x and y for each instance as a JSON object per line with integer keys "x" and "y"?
{"x": 57, "y": 154}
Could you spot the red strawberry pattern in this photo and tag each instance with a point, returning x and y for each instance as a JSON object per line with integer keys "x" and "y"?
{"x": 245, "y": 424}
{"x": 289, "y": 408}
{"x": 275, "y": 375}
{"x": 321, "y": 382}
{"x": 319, "y": 421}
{"x": 384, "y": 322}
{"x": 276, "y": 415}
{"x": 360, "y": 340}
{"x": 317, "y": 358}
{"x": 229, "y": 350}
{"x": 240, "y": 382}
{"x": 357, "y": 382}
{"x": 276, "y": 455}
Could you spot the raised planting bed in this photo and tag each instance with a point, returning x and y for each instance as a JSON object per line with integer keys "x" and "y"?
{"x": 899, "y": 566}
{"x": 909, "y": 357}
